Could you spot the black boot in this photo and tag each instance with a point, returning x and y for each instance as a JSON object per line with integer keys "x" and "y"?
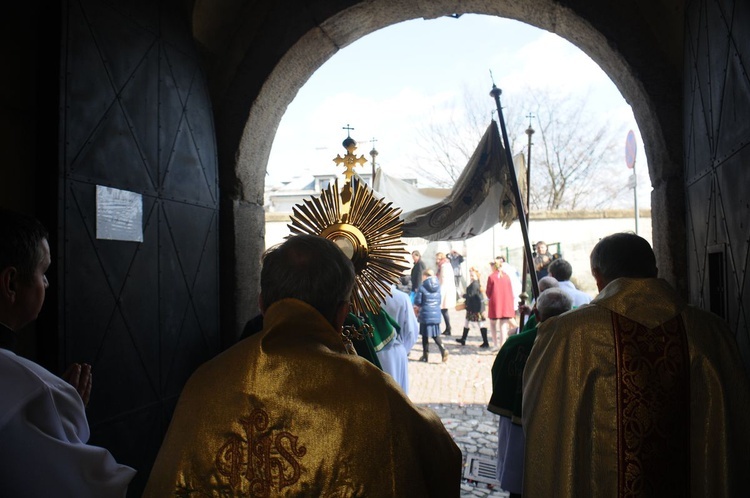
{"x": 441, "y": 348}
{"x": 447, "y": 320}
{"x": 462, "y": 340}
{"x": 484, "y": 344}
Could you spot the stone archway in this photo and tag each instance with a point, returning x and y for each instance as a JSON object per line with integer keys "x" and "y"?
{"x": 256, "y": 70}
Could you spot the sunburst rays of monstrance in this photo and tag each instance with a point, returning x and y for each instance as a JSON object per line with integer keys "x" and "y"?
{"x": 366, "y": 229}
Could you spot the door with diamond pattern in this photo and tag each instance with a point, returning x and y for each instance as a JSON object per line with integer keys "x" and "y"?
{"x": 136, "y": 117}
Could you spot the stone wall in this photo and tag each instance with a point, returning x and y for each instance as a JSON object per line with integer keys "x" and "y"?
{"x": 575, "y": 232}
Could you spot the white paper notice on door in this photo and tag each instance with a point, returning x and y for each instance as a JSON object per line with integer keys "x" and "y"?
{"x": 119, "y": 214}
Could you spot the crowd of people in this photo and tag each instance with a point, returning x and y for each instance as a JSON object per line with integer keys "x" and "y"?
{"x": 630, "y": 393}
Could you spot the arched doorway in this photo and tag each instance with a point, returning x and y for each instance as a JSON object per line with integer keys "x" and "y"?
{"x": 259, "y": 67}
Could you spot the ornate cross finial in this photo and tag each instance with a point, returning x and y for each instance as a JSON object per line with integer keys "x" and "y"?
{"x": 350, "y": 160}
{"x": 530, "y": 116}
{"x": 348, "y": 129}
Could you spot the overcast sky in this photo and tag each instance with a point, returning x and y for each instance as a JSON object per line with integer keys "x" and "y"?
{"x": 389, "y": 83}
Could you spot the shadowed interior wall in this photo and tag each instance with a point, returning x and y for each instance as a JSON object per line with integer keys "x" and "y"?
{"x": 18, "y": 105}
{"x": 136, "y": 116}
{"x": 30, "y": 51}
{"x": 717, "y": 160}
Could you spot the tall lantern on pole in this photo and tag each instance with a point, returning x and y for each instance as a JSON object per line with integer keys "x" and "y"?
{"x": 630, "y": 151}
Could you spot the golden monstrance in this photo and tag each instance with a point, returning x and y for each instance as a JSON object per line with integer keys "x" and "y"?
{"x": 367, "y": 229}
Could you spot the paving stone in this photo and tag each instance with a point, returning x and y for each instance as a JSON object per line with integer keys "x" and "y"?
{"x": 487, "y": 428}
{"x": 458, "y": 391}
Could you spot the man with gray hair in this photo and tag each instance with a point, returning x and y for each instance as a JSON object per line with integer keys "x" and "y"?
{"x": 636, "y": 394}
{"x": 507, "y": 376}
{"x": 288, "y": 412}
{"x": 552, "y": 302}
{"x": 547, "y": 282}
{"x": 529, "y": 310}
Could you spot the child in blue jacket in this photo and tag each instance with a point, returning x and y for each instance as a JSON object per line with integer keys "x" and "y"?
{"x": 427, "y": 307}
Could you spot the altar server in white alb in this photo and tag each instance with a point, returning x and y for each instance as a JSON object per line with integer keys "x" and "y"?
{"x": 43, "y": 427}
{"x": 394, "y": 357}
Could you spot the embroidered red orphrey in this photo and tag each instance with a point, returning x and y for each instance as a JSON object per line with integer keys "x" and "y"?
{"x": 653, "y": 408}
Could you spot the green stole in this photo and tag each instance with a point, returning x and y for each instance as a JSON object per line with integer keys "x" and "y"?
{"x": 507, "y": 375}
{"x": 365, "y": 347}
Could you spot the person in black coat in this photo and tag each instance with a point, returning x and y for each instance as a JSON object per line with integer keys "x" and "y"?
{"x": 416, "y": 272}
{"x": 474, "y": 300}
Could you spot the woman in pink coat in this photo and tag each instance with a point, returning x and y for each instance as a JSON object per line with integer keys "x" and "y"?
{"x": 501, "y": 307}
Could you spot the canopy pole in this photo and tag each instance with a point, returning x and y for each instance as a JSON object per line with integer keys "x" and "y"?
{"x": 495, "y": 93}
{"x": 526, "y": 264}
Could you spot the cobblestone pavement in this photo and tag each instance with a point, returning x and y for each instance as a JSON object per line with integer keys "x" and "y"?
{"x": 458, "y": 390}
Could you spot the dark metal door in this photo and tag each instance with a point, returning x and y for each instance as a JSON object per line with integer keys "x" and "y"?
{"x": 136, "y": 117}
{"x": 717, "y": 160}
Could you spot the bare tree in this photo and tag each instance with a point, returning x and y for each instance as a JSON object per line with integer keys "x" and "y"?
{"x": 449, "y": 140}
{"x": 574, "y": 151}
{"x": 573, "y": 155}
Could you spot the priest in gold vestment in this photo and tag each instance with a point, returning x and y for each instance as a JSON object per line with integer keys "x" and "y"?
{"x": 637, "y": 394}
{"x": 287, "y": 412}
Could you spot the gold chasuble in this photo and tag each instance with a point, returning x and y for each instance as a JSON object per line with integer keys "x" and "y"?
{"x": 636, "y": 395}
{"x": 287, "y": 412}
